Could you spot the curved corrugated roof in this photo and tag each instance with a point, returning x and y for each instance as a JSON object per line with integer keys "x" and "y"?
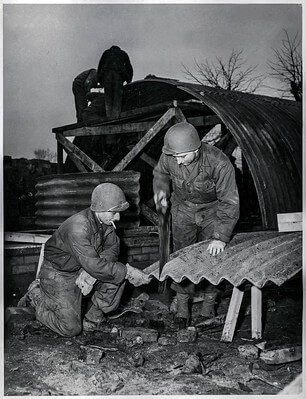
{"x": 267, "y": 129}
{"x": 254, "y": 257}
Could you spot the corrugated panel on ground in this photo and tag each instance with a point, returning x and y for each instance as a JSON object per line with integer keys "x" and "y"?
{"x": 268, "y": 130}
{"x": 255, "y": 257}
{"x": 60, "y": 196}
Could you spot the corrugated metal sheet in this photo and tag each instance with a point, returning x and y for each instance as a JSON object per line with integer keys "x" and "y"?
{"x": 60, "y": 196}
{"x": 268, "y": 130}
{"x": 255, "y": 257}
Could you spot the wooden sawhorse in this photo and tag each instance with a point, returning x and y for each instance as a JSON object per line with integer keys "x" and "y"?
{"x": 233, "y": 313}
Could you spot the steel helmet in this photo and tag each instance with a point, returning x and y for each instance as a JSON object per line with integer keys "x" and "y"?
{"x": 107, "y": 197}
{"x": 181, "y": 137}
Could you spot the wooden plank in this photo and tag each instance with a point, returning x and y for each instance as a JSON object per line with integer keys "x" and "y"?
{"x": 26, "y": 237}
{"x": 290, "y": 222}
{"x": 70, "y": 147}
{"x": 256, "y": 312}
{"x": 145, "y": 140}
{"x": 146, "y": 158}
{"x": 108, "y": 130}
{"x": 149, "y": 214}
{"x": 232, "y": 315}
{"x": 77, "y": 162}
{"x": 284, "y": 355}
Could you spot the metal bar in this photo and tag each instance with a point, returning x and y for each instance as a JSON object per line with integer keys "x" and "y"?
{"x": 70, "y": 147}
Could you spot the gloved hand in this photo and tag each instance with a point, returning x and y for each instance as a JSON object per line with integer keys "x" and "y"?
{"x": 85, "y": 282}
{"x": 136, "y": 276}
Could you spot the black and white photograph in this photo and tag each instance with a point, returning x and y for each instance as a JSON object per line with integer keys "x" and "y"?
{"x": 152, "y": 180}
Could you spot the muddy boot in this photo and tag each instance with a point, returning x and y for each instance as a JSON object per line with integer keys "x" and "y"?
{"x": 208, "y": 310}
{"x": 93, "y": 319}
{"x": 32, "y": 297}
{"x": 182, "y": 317}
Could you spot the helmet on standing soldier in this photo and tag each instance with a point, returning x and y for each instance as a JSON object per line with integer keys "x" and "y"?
{"x": 107, "y": 197}
{"x": 181, "y": 137}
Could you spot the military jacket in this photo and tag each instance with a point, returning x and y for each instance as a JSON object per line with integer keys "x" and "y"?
{"x": 83, "y": 242}
{"x": 209, "y": 181}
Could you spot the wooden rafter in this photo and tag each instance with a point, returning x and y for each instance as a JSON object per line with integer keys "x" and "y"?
{"x": 151, "y": 133}
{"x": 108, "y": 130}
{"x": 71, "y": 148}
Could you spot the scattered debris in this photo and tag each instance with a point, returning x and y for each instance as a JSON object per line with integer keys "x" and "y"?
{"x": 91, "y": 355}
{"x": 248, "y": 351}
{"x": 137, "y": 359}
{"x": 148, "y": 335}
{"x": 167, "y": 340}
{"x": 187, "y": 335}
{"x": 279, "y": 356}
{"x": 193, "y": 365}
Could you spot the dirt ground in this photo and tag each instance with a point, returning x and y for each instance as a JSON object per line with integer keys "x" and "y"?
{"x": 38, "y": 362}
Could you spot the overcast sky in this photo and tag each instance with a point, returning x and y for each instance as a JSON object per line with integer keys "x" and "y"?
{"x": 46, "y": 46}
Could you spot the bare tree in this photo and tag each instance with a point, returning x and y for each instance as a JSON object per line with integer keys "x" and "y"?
{"x": 46, "y": 154}
{"x": 287, "y": 66}
{"x": 230, "y": 74}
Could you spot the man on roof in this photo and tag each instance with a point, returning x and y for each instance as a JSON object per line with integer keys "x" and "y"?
{"x": 113, "y": 70}
{"x": 199, "y": 180}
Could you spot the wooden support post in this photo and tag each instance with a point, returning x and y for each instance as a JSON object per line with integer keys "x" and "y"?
{"x": 145, "y": 140}
{"x": 256, "y": 312}
{"x": 232, "y": 315}
{"x": 70, "y": 147}
{"x": 60, "y": 162}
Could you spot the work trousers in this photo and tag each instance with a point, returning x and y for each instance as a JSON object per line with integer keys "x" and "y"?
{"x": 60, "y": 306}
{"x": 191, "y": 223}
{"x": 113, "y": 89}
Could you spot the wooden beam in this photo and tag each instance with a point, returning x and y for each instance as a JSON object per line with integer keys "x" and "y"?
{"x": 76, "y": 162}
{"x": 256, "y": 312}
{"x": 110, "y": 129}
{"x": 70, "y": 147}
{"x": 232, "y": 315}
{"x": 146, "y": 158}
{"x": 26, "y": 237}
{"x": 145, "y": 140}
{"x": 149, "y": 214}
{"x": 131, "y": 114}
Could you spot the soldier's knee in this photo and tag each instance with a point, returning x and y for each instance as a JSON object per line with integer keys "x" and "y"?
{"x": 70, "y": 329}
